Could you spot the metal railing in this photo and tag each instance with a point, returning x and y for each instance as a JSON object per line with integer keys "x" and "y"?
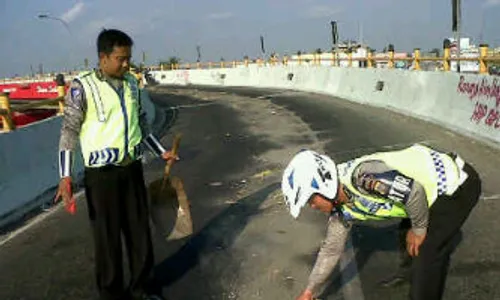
{"x": 7, "y": 109}
{"x": 369, "y": 61}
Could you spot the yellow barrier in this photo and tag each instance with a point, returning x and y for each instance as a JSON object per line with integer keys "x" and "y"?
{"x": 6, "y": 113}
{"x": 369, "y": 61}
{"x": 483, "y": 68}
{"x": 61, "y": 92}
{"x": 6, "y": 109}
{"x": 416, "y": 62}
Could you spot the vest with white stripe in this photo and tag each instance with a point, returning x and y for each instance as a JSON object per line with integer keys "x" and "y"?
{"x": 437, "y": 172}
{"x": 110, "y": 130}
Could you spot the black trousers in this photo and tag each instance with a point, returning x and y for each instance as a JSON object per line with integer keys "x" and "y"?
{"x": 446, "y": 216}
{"x": 117, "y": 202}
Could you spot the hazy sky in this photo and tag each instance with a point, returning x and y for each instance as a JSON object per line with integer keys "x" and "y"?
{"x": 225, "y": 28}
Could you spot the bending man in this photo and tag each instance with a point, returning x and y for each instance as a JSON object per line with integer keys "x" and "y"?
{"x": 434, "y": 190}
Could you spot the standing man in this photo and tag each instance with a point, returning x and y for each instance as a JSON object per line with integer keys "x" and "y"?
{"x": 103, "y": 112}
{"x": 436, "y": 191}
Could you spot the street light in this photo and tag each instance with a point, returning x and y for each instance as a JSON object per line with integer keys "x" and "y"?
{"x": 198, "y": 50}
{"x": 456, "y": 26}
{"x": 45, "y": 16}
{"x": 481, "y": 32}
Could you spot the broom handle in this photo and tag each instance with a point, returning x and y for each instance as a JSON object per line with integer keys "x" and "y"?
{"x": 175, "y": 148}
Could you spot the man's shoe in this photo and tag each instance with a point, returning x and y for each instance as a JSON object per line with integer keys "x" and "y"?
{"x": 395, "y": 280}
{"x": 148, "y": 297}
{"x": 153, "y": 297}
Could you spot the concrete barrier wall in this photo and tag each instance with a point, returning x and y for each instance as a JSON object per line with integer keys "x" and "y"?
{"x": 29, "y": 164}
{"x": 468, "y": 104}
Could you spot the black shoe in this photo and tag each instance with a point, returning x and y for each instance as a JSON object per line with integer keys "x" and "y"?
{"x": 153, "y": 297}
{"x": 148, "y": 297}
{"x": 395, "y": 280}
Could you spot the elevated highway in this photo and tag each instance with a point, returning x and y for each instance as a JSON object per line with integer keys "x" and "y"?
{"x": 246, "y": 246}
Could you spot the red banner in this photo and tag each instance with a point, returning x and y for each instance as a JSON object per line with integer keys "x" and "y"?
{"x": 33, "y": 90}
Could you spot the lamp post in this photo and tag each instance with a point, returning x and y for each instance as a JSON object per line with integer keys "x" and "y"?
{"x": 481, "y": 31}
{"x": 46, "y": 16}
{"x": 456, "y": 26}
{"x": 262, "y": 47}
{"x": 49, "y": 17}
{"x": 198, "y": 51}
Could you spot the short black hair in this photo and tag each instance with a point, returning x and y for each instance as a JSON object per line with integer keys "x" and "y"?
{"x": 109, "y": 38}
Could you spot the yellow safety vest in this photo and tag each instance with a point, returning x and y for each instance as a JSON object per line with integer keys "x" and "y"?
{"x": 111, "y": 128}
{"x": 437, "y": 172}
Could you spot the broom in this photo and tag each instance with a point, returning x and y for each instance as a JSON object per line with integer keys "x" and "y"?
{"x": 171, "y": 212}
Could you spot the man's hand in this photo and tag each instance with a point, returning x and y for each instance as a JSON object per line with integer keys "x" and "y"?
{"x": 66, "y": 193}
{"x": 413, "y": 242}
{"x": 169, "y": 156}
{"x": 306, "y": 295}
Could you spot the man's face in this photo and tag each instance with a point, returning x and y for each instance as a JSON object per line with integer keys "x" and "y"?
{"x": 321, "y": 203}
{"x": 325, "y": 205}
{"x": 117, "y": 63}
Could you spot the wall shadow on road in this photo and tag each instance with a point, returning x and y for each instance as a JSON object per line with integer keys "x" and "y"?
{"x": 219, "y": 233}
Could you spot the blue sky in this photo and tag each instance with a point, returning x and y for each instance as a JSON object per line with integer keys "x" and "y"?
{"x": 224, "y": 28}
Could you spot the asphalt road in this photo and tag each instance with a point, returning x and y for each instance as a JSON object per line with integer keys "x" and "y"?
{"x": 235, "y": 144}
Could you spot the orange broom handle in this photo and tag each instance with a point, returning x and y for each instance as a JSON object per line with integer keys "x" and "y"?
{"x": 175, "y": 148}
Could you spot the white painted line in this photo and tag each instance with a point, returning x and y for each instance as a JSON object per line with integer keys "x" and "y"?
{"x": 175, "y": 109}
{"x": 271, "y": 96}
{"x": 351, "y": 283}
{"x": 492, "y": 197}
{"x": 193, "y": 105}
{"x": 36, "y": 220}
{"x": 174, "y": 117}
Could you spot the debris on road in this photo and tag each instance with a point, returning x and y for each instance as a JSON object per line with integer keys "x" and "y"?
{"x": 263, "y": 174}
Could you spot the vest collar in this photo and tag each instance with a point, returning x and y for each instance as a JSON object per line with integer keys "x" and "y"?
{"x": 114, "y": 82}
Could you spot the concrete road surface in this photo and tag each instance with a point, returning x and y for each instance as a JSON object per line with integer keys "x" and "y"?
{"x": 236, "y": 142}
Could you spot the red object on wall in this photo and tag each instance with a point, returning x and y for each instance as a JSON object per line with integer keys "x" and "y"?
{"x": 32, "y": 90}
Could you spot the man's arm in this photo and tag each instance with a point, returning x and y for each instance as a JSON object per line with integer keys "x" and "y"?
{"x": 148, "y": 138}
{"x": 74, "y": 114}
{"x": 331, "y": 249}
{"x": 417, "y": 209}
{"x": 416, "y": 205}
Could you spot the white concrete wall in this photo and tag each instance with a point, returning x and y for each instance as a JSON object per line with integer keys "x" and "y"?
{"x": 29, "y": 163}
{"x": 468, "y": 104}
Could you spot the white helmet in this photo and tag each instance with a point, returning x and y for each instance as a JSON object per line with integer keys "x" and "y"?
{"x": 308, "y": 173}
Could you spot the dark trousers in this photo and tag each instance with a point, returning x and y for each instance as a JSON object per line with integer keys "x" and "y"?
{"x": 117, "y": 202}
{"x": 446, "y": 216}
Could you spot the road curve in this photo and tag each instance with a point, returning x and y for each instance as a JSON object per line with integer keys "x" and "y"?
{"x": 235, "y": 143}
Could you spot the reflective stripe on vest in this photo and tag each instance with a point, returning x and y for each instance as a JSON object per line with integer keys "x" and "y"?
{"x": 111, "y": 128}
{"x": 435, "y": 171}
